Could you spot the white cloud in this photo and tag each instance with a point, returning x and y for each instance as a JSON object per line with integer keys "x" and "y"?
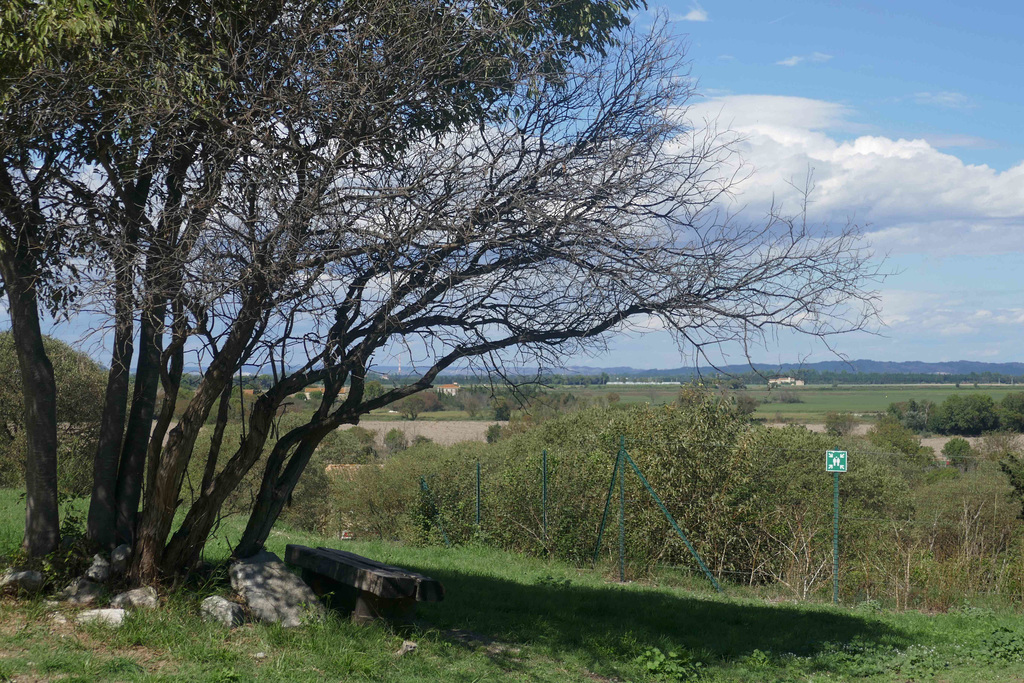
{"x": 696, "y": 13}
{"x": 949, "y": 100}
{"x": 813, "y": 58}
{"x": 914, "y": 197}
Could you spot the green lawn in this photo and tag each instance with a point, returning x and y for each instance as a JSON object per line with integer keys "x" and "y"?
{"x": 513, "y": 618}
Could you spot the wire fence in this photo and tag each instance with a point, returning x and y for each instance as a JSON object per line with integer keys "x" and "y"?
{"x": 928, "y": 559}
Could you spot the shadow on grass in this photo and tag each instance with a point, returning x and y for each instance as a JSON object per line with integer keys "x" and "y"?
{"x": 618, "y": 621}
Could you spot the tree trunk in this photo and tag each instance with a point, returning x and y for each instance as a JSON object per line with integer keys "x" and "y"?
{"x": 188, "y": 541}
{"x": 39, "y": 388}
{"x": 171, "y": 381}
{"x": 140, "y": 424}
{"x": 275, "y": 490}
{"x": 161, "y": 503}
{"x": 101, "y": 527}
{"x": 216, "y": 439}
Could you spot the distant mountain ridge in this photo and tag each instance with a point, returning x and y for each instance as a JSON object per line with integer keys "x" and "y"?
{"x": 958, "y": 367}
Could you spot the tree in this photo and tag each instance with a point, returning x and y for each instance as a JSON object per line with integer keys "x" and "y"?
{"x": 334, "y": 204}
{"x": 143, "y": 100}
{"x": 411, "y": 406}
{"x": 968, "y": 415}
{"x": 1011, "y": 412}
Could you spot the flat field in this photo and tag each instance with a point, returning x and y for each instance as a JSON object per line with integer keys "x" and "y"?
{"x": 815, "y": 400}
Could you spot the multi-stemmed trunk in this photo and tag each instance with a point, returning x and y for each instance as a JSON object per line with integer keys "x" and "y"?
{"x": 131, "y": 470}
{"x": 101, "y": 526}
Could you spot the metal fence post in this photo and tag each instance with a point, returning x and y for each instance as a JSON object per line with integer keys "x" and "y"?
{"x": 544, "y": 493}
{"x": 835, "y": 539}
{"x": 622, "y": 511}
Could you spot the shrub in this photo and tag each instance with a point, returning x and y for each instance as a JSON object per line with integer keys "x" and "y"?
{"x": 959, "y": 453}
{"x": 912, "y": 414}
{"x": 80, "y": 387}
{"x": 839, "y": 424}
{"x": 395, "y": 441}
{"x": 747, "y": 497}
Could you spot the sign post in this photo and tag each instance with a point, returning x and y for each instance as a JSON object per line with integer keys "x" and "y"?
{"x": 835, "y": 462}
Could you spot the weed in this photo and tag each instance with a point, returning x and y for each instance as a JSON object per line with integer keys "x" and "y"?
{"x": 1004, "y": 644}
{"x": 673, "y": 666}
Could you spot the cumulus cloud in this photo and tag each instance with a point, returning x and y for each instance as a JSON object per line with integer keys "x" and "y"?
{"x": 914, "y": 197}
{"x": 696, "y": 13}
{"x": 813, "y": 58}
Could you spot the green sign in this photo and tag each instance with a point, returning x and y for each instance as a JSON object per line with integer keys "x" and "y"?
{"x": 835, "y": 461}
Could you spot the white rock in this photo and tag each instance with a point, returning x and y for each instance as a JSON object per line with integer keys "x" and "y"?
{"x": 223, "y": 611}
{"x": 99, "y": 571}
{"x": 119, "y": 557}
{"x": 81, "y": 591}
{"x": 137, "y": 597}
{"x": 407, "y": 647}
{"x": 273, "y": 593}
{"x": 260, "y": 655}
{"x": 110, "y": 617}
{"x": 28, "y": 581}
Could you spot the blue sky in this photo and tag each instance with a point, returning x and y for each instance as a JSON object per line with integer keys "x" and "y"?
{"x": 910, "y": 115}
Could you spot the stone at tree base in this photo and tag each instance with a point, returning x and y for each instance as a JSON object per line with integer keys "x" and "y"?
{"x": 110, "y": 617}
{"x": 223, "y": 611}
{"x": 29, "y": 581}
{"x": 273, "y": 593}
{"x": 119, "y": 557}
{"x": 81, "y": 591}
{"x": 99, "y": 571}
{"x": 137, "y": 597}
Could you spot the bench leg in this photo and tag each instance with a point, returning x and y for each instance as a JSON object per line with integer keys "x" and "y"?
{"x": 363, "y": 606}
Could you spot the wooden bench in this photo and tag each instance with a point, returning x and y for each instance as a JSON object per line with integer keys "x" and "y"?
{"x": 368, "y": 590}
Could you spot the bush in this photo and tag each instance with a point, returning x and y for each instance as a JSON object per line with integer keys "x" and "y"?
{"x": 353, "y": 446}
{"x": 395, "y": 441}
{"x": 839, "y": 424}
{"x": 913, "y": 414}
{"x": 747, "y": 497}
{"x": 959, "y": 453}
{"x": 891, "y": 436}
{"x": 80, "y": 387}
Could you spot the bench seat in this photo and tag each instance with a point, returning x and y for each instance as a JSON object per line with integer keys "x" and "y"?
{"x": 365, "y": 588}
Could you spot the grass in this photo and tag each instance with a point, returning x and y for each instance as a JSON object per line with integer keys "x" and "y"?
{"x": 816, "y": 400}
{"x": 513, "y": 618}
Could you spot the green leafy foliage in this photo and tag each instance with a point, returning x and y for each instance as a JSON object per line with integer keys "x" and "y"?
{"x": 959, "y": 453}
{"x": 80, "y": 386}
{"x": 968, "y": 415}
{"x": 1011, "y": 412}
{"x": 839, "y": 424}
{"x": 670, "y": 666}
